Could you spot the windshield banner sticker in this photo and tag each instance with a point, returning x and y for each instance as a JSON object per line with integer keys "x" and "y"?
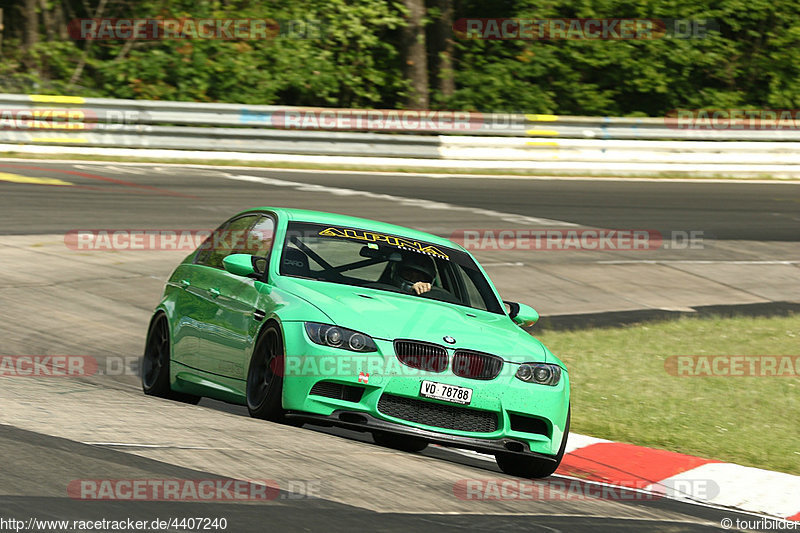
{"x": 371, "y": 237}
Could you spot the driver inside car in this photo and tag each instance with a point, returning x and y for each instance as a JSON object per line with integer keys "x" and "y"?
{"x": 414, "y": 274}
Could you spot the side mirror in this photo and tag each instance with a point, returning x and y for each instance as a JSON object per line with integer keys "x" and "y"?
{"x": 523, "y": 315}
{"x": 245, "y": 265}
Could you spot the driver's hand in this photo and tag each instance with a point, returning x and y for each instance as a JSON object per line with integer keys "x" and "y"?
{"x": 421, "y": 287}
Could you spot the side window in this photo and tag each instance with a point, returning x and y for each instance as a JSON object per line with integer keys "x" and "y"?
{"x": 473, "y": 293}
{"x": 260, "y": 237}
{"x": 229, "y": 238}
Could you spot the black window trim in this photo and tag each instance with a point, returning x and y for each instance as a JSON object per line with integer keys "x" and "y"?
{"x": 222, "y": 227}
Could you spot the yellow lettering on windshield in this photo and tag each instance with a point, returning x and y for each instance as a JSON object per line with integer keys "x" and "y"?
{"x": 397, "y": 242}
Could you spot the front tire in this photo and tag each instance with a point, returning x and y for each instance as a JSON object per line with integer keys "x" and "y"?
{"x": 155, "y": 363}
{"x": 265, "y": 377}
{"x": 403, "y": 443}
{"x": 532, "y": 467}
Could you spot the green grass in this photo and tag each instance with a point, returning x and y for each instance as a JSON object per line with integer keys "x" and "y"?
{"x": 621, "y": 390}
{"x": 365, "y": 168}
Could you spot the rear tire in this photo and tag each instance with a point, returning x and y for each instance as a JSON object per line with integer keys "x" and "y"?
{"x": 155, "y": 363}
{"x": 265, "y": 377}
{"x": 532, "y": 467}
{"x": 403, "y": 443}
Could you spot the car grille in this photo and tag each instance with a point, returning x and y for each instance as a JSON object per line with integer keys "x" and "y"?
{"x": 338, "y": 391}
{"x": 476, "y": 365}
{"x": 437, "y": 415}
{"x": 421, "y": 355}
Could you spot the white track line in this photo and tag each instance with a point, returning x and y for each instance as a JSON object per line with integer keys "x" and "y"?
{"x": 689, "y": 262}
{"x": 780, "y": 181}
{"x": 402, "y": 200}
{"x": 517, "y": 264}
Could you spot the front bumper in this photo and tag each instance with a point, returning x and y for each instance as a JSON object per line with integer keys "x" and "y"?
{"x": 360, "y": 421}
{"x": 505, "y": 397}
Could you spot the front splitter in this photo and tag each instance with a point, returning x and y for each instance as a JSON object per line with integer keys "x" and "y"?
{"x": 360, "y": 421}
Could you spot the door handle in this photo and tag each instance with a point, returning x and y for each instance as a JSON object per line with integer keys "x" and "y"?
{"x": 213, "y": 292}
{"x": 185, "y": 283}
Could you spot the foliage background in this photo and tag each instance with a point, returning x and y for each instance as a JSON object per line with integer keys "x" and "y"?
{"x": 752, "y": 61}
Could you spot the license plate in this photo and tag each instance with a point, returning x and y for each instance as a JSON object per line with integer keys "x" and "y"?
{"x": 448, "y": 393}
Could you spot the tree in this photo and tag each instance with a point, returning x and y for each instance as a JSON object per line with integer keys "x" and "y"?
{"x": 31, "y": 24}
{"x": 442, "y": 48}
{"x": 415, "y": 54}
{"x": 373, "y": 53}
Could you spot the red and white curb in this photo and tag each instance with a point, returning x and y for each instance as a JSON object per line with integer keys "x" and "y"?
{"x": 681, "y": 476}
{"x": 741, "y": 487}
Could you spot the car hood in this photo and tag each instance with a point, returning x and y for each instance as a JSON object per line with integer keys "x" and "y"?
{"x": 388, "y": 316}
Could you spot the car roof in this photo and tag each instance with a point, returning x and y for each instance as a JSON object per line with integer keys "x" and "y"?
{"x": 322, "y": 217}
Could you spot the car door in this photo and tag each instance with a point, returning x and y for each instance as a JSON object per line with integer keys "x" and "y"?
{"x": 229, "y": 336}
{"x": 199, "y": 315}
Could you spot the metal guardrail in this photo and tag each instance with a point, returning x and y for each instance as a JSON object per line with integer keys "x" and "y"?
{"x": 112, "y": 114}
{"x": 235, "y": 140}
{"x": 111, "y": 111}
{"x": 533, "y": 142}
{"x": 619, "y": 151}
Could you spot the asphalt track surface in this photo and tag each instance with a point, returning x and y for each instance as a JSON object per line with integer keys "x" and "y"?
{"x": 48, "y": 426}
{"x": 190, "y": 197}
{"x": 46, "y": 460}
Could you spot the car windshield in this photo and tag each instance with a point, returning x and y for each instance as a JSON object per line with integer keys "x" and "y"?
{"x": 365, "y": 258}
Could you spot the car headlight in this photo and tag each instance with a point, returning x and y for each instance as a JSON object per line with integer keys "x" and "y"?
{"x": 336, "y": 337}
{"x": 540, "y": 373}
